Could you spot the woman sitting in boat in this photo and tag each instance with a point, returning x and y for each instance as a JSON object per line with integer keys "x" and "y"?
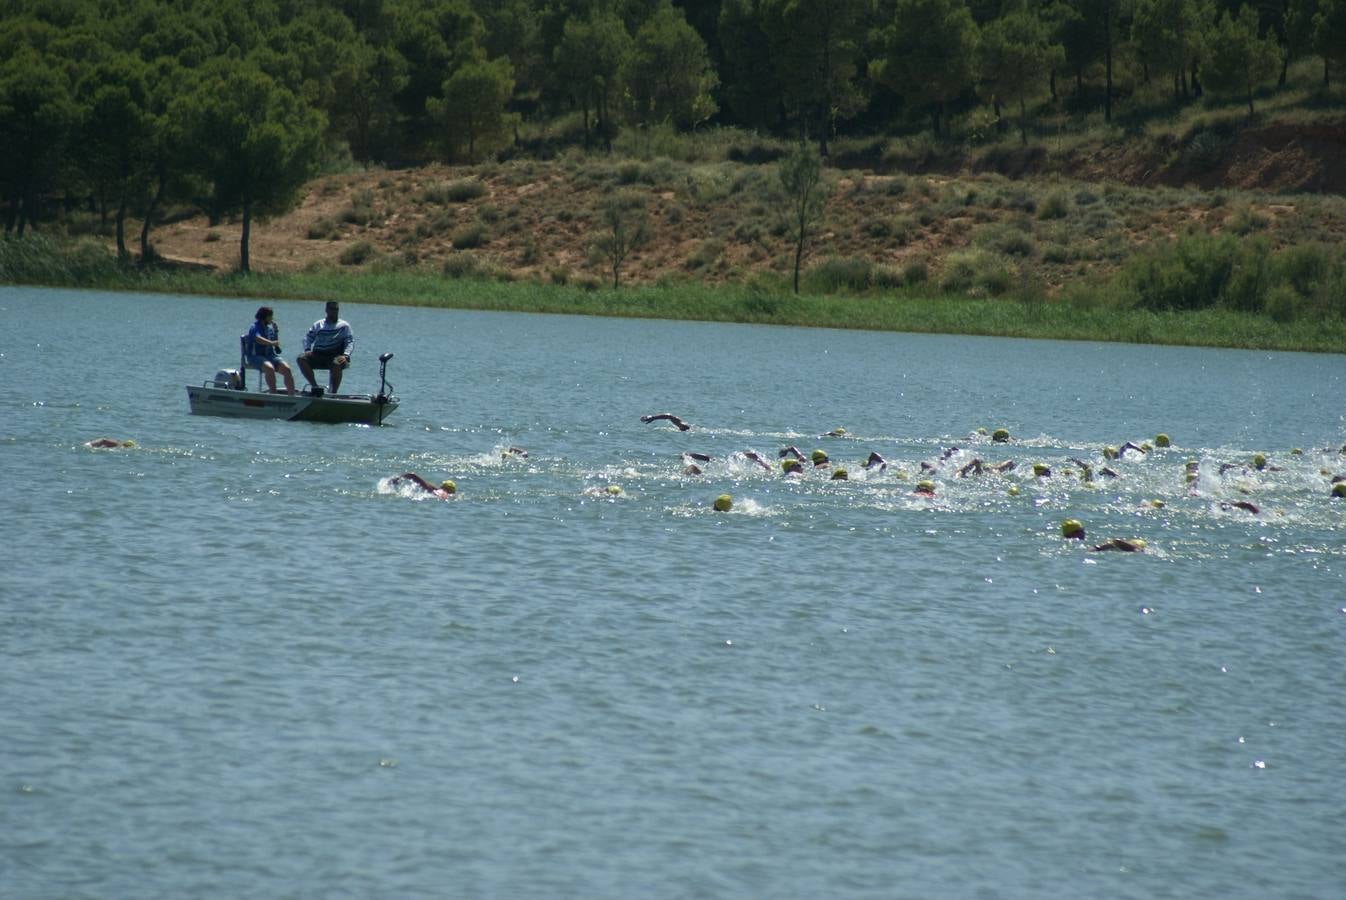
{"x": 264, "y": 344}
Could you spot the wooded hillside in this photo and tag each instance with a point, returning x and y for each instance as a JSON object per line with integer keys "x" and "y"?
{"x": 232, "y": 106}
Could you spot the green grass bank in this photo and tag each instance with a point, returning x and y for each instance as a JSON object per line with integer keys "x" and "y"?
{"x": 1105, "y": 312}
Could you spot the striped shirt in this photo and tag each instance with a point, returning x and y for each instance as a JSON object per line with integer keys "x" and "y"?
{"x": 330, "y": 338}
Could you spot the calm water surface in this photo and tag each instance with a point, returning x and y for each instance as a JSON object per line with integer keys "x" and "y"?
{"x": 236, "y": 662}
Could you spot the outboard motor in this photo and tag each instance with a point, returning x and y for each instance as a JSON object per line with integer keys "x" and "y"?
{"x": 229, "y": 378}
{"x": 384, "y": 388}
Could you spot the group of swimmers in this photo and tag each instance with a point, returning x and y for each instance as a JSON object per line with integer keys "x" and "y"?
{"x": 792, "y": 463}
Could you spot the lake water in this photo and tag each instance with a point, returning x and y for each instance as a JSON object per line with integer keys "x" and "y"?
{"x": 236, "y": 662}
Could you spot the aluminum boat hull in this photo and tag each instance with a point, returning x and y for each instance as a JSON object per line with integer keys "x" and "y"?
{"x": 211, "y": 400}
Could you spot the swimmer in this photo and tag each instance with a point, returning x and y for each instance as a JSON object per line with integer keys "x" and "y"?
{"x": 514, "y": 451}
{"x": 925, "y": 489}
{"x": 791, "y": 466}
{"x": 682, "y": 426}
{"x": 1121, "y": 451}
{"x": 819, "y": 459}
{"x": 691, "y": 469}
{"x": 979, "y": 467}
{"x": 875, "y": 461}
{"x": 791, "y": 451}
{"x": 835, "y": 432}
{"x": 1135, "y": 545}
{"x": 445, "y": 490}
{"x": 108, "y": 444}
{"x": 1241, "y": 504}
{"x": 754, "y": 457}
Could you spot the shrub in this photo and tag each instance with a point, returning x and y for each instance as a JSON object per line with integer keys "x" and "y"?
{"x": 749, "y": 232}
{"x": 1204, "y": 151}
{"x": 1055, "y": 206}
{"x": 323, "y": 229}
{"x": 1249, "y": 277}
{"x": 710, "y": 250}
{"x": 886, "y": 278}
{"x": 357, "y": 215}
{"x": 915, "y": 271}
{"x": 1283, "y": 304}
{"x": 1190, "y": 273}
{"x": 976, "y": 271}
{"x": 1005, "y": 239}
{"x": 356, "y": 254}
{"x": 1246, "y": 220}
{"x": 36, "y": 258}
{"x": 837, "y": 273}
{"x": 629, "y": 172}
{"x": 460, "y": 190}
{"x": 460, "y": 265}
{"x": 878, "y": 229}
{"x": 895, "y": 186}
{"x": 470, "y": 236}
{"x": 1056, "y": 253}
{"x": 212, "y": 237}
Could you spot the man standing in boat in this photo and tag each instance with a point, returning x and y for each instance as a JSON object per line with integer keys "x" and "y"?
{"x": 327, "y": 346}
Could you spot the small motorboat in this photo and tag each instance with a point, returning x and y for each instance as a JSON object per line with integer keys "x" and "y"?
{"x": 227, "y": 394}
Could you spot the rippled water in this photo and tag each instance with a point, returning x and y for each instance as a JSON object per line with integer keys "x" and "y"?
{"x": 237, "y": 662}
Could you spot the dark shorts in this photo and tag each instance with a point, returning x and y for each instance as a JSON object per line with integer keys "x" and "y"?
{"x": 320, "y": 360}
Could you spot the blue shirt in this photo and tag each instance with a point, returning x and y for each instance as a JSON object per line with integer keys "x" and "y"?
{"x": 261, "y": 351}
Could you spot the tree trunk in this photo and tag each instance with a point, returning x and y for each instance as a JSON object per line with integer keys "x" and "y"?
{"x": 1023, "y": 121}
{"x": 161, "y": 180}
{"x": 1107, "y": 39}
{"x": 243, "y": 241}
{"x": 799, "y": 256}
{"x": 121, "y": 229}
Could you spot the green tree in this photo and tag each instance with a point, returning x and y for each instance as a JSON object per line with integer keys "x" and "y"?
{"x": 1168, "y": 36}
{"x": 115, "y": 134}
{"x": 1238, "y": 59}
{"x": 625, "y": 229}
{"x": 815, "y": 47}
{"x": 1329, "y": 35}
{"x": 435, "y": 37}
{"x": 590, "y": 59}
{"x": 168, "y": 157}
{"x": 253, "y": 140}
{"x": 1015, "y": 54}
{"x": 473, "y": 109}
{"x": 363, "y": 108}
{"x": 1297, "y": 32}
{"x": 928, "y": 54}
{"x": 668, "y": 71}
{"x": 37, "y": 118}
{"x": 803, "y": 199}
{"x": 752, "y": 89}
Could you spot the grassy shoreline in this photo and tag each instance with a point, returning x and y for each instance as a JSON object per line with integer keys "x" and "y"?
{"x": 917, "y": 309}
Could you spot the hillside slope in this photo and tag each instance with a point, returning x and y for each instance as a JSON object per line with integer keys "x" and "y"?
{"x": 1045, "y": 218}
